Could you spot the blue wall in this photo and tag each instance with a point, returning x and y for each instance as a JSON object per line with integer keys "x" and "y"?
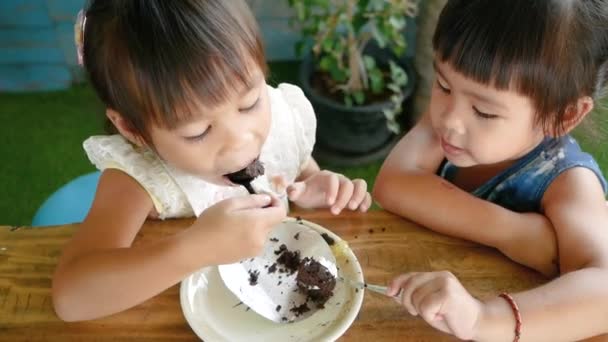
{"x": 36, "y": 44}
{"x": 37, "y": 41}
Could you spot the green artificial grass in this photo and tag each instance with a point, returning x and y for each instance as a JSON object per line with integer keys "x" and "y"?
{"x": 43, "y": 133}
{"x": 42, "y": 147}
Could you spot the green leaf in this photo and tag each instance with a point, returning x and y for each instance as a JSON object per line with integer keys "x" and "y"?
{"x": 328, "y": 45}
{"x": 359, "y": 97}
{"x": 379, "y": 37}
{"x": 300, "y": 10}
{"x": 339, "y": 75}
{"x": 369, "y": 62}
{"x": 326, "y": 63}
{"x": 389, "y": 114}
{"x": 394, "y": 88}
{"x": 300, "y": 48}
{"x": 398, "y": 75}
{"x": 377, "y": 81}
{"x": 393, "y": 126}
{"x": 397, "y": 22}
{"x": 348, "y": 101}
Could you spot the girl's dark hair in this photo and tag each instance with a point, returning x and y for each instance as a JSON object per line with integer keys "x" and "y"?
{"x": 553, "y": 51}
{"x": 156, "y": 61}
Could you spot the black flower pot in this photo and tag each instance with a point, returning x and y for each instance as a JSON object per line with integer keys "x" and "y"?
{"x": 356, "y": 134}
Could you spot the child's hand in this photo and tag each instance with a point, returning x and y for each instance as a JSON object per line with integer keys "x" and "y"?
{"x": 237, "y": 227}
{"x": 326, "y": 189}
{"x": 440, "y": 299}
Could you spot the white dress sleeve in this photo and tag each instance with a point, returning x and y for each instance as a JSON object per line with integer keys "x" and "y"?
{"x": 115, "y": 152}
{"x": 304, "y": 121}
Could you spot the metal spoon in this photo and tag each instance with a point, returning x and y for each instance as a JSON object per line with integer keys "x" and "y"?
{"x": 367, "y": 286}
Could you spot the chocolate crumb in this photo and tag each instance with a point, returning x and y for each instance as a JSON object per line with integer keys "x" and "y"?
{"x": 248, "y": 308}
{"x": 328, "y": 239}
{"x": 253, "y": 277}
{"x": 291, "y": 260}
{"x": 237, "y": 304}
{"x": 300, "y": 310}
{"x": 272, "y": 268}
{"x": 298, "y": 219}
{"x": 279, "y": 283}
{"x": 278, "y": 308}
{"x": 297, "y": 236}
{"x": 281, "y": 249}
{"x": 274, "y": 239}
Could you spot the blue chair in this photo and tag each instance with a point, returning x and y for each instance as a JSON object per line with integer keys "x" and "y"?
{"x": 69, "y": 204}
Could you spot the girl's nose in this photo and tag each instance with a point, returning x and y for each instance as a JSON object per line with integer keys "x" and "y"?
{"x": 237, "y": 136}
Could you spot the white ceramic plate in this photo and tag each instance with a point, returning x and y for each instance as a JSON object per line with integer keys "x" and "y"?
{"x": 214, "y": 312}
{"x": 266, "y": 285}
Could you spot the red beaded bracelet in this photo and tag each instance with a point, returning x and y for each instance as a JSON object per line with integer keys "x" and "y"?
{"x": 516, "y": 312}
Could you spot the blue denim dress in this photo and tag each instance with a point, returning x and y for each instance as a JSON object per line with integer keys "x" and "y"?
{"x": 522, "y": 185}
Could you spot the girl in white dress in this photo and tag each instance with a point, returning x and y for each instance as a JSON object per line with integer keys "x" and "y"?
{"x": 184, "y": 84}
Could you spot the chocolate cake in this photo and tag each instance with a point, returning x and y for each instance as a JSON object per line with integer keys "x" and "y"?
{"x": 245, "y": 176}
{"x": 315, "y": 281}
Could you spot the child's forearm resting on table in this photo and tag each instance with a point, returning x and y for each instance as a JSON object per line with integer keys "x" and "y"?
{"x": 104, "y": 282}
{"x": 439, "y": 205}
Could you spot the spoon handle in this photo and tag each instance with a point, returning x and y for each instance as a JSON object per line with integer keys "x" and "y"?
{"x": 249, "y": 188}
{"x": 367, "y": 286}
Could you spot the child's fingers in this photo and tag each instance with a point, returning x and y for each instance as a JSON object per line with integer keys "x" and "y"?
{"x": 419, "y": 295}
{"x": 358, "y": 194}
{"x": 398, "y": 283}
{"x": 430, "y": 308}
{"x": 248, "y": 202}
{"x": 415, "y": 282}
{"x": 269, "y": 215}
{"x": 295, "y": 190}
{"x": 332, "y": 189}
{"x": 366, "y": 204}
{"x": 345, "y": 193}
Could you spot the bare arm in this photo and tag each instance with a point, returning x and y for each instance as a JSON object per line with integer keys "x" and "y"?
{"x": 407, "y": 185}
{"x": 101, "y": 273}
{"x": 574, "y": 306}
{"x": 98, "y": 273}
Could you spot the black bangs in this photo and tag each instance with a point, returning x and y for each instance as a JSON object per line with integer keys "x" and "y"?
{"x": 488, "y": 41}
{"x": 547, "y": 50}
{"x": 157, "y": 61}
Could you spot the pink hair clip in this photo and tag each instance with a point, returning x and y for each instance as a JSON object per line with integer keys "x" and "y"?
{"x": 81, "y": 21}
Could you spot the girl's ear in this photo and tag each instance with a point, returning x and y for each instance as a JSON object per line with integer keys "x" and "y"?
{"x": 124, "y": 128}
{"x": 576, "y": 113}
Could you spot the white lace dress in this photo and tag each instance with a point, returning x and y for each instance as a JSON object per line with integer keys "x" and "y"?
{"x": 178, "y": 194}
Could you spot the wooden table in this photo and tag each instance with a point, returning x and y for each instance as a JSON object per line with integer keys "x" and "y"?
{"x": 385, "y": 245}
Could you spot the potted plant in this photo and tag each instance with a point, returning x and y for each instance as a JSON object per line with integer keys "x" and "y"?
{"x": 354, "y": 71}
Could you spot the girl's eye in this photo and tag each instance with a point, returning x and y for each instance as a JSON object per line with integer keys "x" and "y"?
{"x": 484, "y": 116}
{"x": 200, "y": 137}
{"x": 250, "y": 108}
{"x": 443, "y": 89}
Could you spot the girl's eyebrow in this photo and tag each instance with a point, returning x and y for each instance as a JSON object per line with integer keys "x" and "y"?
{"x": 480, "y": 97}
